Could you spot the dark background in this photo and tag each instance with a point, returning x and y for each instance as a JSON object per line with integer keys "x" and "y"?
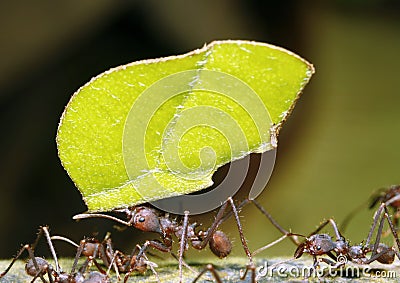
{"x": 341, "y": 143}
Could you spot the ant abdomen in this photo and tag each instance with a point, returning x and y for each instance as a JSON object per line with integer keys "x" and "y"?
{"x": 387, "y": 256}
{"x": 220, "y": 244}
{"x": 31, "y": 270}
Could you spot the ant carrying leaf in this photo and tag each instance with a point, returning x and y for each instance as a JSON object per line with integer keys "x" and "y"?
{"x": 150, "y": 220}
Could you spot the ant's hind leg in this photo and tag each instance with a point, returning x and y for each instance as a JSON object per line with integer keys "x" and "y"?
{"x": 394, "y": 232}
{"x": 252, "y": 269}
{"x": 211, "y": 269}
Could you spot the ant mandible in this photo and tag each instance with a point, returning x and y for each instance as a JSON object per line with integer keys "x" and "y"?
{"x": 38, "y": 267}
{"x": 149, "y": 220}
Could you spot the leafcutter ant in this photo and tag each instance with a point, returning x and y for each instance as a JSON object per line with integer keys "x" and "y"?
{"x": 340, "y": 251}
{"x": 120, "y": 262}
{"x": 38, "y": 267}
{"x": 150, "y": 220}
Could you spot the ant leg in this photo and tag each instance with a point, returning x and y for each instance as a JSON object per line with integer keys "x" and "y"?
{"x": 217, "y": 221}
{"x": 377, "y": 214}
{"x": 108, "y": 251}
{"x": 51, "y": 247}
{"x": 239, "y": 226}
{"x": 334, "y": 226}
{"x": 40, "y": 273}
{"x": 152, "y": 265}
{"x": 251, "y": 268}
{"x": 210, "y": 268}
{"x": 77, "y": 256}
{"x": 378, "y": 234}
{"x": 394, "y": 232}
{"x": 154, "y": 244}
{"x": 183, "y": 243}
{"x": 330, "y": 262}
{"x": 214, "y": 226}
{"x": 375, "y": 255}
{"x": 183, "y": 262}
{"x": 251, "y": 265}
{"x": 25, "y": 247}
{"x": 294, "y": 238}
{"x": 230, "y": 213}
{"x": 32, "y": 257}
{"x": 350, "y": 216}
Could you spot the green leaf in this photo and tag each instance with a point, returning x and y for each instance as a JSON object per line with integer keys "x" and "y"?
{"x": 159, "y": 128}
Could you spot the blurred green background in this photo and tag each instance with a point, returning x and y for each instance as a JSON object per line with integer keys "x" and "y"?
{"x": 340, "y": 144}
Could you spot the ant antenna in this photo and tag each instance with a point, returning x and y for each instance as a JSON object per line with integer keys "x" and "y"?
{"x": 98, "y": 215}
{"x": 52, "y": 250}
{"x": 276, "y": 242}
{"x": 293, "y": 238}
{"x": 350, "y": 216}
{"x": 61, "y": 238}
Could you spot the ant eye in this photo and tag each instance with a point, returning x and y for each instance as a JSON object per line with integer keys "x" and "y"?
{"x": 142, "y": 219}
{"x": 318, "y": 248}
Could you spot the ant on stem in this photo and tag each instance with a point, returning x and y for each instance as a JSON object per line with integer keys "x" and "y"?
{"x": 121, "y": 263}
{"x": 340, "y": 251}
{"x": 150, "y": 220}
{"x": 38, "y": 267}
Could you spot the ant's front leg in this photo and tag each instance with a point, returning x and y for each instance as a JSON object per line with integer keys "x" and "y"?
{"x": 155, "y": 245}
{"x": 35, "y": 269}
{"x": 334, "y": 226}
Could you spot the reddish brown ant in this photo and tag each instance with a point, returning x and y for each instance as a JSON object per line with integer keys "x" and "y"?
{"x": 340, "y": 251}
{"x": 38, "y": 267}
{"x": 121, "y": 263}
{"x": 150, "y": 220}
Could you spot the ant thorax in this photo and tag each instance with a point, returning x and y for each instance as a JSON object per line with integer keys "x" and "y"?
{"x": 356, "y": 252}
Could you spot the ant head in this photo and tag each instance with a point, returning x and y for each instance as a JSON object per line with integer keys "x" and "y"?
{"x": 145, "y": 219}
{"x": 319, "y": 244}
{"x": 90, "y": 247}
{"x": 31, "y": 270}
